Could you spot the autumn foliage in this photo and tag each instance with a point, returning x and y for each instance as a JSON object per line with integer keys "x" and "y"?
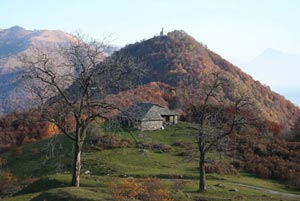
{"x": 21, "y": 128}
{"x": 139, "y": 189}
{"x": 268, "y": 157}
{"x": 220, "y": 167}
{"x": 168, "y": 60}
{"x": 296, "y": 130}
{"x": 173, "y": 58}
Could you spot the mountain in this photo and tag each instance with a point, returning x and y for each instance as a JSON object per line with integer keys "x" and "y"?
{"x": 14, "y": 42}
{"x": 279, "y": 70}
{"x": 170, "y": 58}
{"x": 17, "y": 40}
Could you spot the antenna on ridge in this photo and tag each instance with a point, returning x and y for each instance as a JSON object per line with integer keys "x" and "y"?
{"x": 163, "y": 33}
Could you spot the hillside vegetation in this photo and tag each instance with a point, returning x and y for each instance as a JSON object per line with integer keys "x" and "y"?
{"x": 36, "y": 166}
{"x": 169, "y": 61}
{"x": 176, "y": 57}
{"x": 129, "y": 159}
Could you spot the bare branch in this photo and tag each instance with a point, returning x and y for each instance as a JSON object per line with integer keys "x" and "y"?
{"x": 72, "y": 82}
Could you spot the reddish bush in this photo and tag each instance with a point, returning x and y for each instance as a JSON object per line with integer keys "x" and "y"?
{"x": 220, "y": 167}
{"x": 142, "y": 189}
{"x": 101, "y": 141}
{"x": 262, "y": 171}
{"x": 238, "y": 164}
{"x": 268, "y": 157}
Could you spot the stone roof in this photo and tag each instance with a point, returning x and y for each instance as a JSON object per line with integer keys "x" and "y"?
{"x": 146, "y": 112}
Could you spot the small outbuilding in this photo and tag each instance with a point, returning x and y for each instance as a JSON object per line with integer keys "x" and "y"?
{"x": 147, "y": 116}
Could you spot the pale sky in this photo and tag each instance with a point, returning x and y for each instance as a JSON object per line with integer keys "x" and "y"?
{"x": 238, "y": 30}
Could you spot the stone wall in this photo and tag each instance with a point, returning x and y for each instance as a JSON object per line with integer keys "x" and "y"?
{"x": 175, "y": 119}
{"x": 150, "y": 125}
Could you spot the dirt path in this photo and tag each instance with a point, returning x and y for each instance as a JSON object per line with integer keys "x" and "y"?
{"x": 270, "y": 191}
{"x": 290, "y": 195}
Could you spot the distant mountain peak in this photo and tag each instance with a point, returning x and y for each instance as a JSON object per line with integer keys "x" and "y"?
{"x": 16, "y": 28}
{"x": 17, "y": 40}
{"x": 279, "y": 70}
{"x": 270, "y": 52}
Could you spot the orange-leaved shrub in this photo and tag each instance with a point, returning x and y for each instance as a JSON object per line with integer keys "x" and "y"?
{"x": 220, "y": 167}
{"x": 139, "y": 189}
{"x": 108, "y": 141}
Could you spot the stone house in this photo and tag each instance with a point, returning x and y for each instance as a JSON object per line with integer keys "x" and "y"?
{"x": 147, "y": 116}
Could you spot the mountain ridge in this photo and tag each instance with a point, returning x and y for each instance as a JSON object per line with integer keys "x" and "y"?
{"x": 17, "y": 40}
{"x": 171, "y": 58}
{"x": 14, "y": 42}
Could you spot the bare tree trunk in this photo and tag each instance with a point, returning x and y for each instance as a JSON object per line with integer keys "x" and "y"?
{"x": 84, "y": 67}
{"x": 76, "y": 164}
{"x": 202, "y": 172}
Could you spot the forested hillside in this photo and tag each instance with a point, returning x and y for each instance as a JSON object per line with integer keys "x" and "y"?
{"x": 173, "y": 58}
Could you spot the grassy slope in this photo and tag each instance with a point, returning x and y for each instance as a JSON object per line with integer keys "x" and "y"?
{"x": 37, "y": 161}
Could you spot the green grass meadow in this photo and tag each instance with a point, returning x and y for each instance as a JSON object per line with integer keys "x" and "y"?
{"x": 47, "y": 163}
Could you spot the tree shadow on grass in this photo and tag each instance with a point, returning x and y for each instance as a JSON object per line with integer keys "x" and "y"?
{"x": 43, "y": 184}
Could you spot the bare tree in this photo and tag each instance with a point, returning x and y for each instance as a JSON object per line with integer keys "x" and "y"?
{"x": 214, "y": 120}
{"x": 71, "y": 84}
